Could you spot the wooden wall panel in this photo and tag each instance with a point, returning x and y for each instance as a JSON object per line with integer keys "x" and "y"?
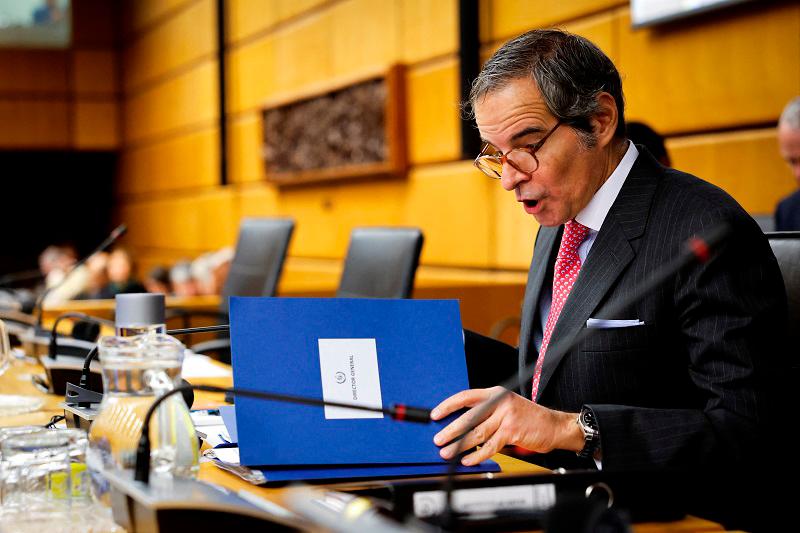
{"x": 258, "y": 200}
{"x": 452, "y": 205}
{"x": 428, "y": 28}
{"x": 245, "y": 143}
{"x": 186, "y": 224}
{"x": 248, "y": 17}
{"x": 432, "y": 93}
{"x": 699, "y": 75}
{"x": 365, "y": 36}
{"x": 746, "y": 164}
{"x": 95, "y": 23}
{"x": 325, "y": 214}
{"x": 95, "y": 125}
{"x": 170, "y": 45}
{"x": 139, "y": 14}
{"x": 34, "y": 71}
{"x": 186, "y": 101}
{"x": 31, "y": 123}
{"x": 94, "y": 72}
{"x": 507, "y": 18}
{"x": 181, "y": 162}
{"x": 297, "y": 56}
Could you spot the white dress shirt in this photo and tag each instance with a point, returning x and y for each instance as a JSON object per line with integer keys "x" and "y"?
{"x": 591, "y": 216}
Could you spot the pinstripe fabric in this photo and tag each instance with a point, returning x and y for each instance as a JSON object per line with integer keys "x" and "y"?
{"x": 689, "y": 386}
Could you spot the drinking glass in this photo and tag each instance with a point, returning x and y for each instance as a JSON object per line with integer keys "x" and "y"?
{"x": 13, "y": 404}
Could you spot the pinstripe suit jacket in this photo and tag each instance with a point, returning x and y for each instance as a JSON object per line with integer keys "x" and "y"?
{"x": 690, "y": 385}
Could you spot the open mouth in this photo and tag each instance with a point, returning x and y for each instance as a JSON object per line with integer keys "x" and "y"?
{"x": 530, "y": 203}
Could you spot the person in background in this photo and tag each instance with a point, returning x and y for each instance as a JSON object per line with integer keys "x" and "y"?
{"x": 98, "y": 276}
{"x": 56, "y": 262}
{"x": 180, "y": 276}
{"x": 787, "y": 215}
{"x": 120, "y": 275}
{"x": 157, "y": 280}
{"x": 641, "y": 133}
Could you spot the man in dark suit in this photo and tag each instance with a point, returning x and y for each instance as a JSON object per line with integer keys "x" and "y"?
{"x": 683, "y": 378}
{"x": 787, "y": 215}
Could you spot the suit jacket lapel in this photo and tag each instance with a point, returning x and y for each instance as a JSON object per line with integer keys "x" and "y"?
{"x": 610, "y": 254}
{"x": 547, "y": 244}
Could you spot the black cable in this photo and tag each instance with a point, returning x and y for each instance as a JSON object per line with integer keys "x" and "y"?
{"x": 75, "y": 316}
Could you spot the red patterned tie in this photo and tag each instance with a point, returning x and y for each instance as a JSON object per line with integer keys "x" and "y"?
{"x": 566, "y": 270}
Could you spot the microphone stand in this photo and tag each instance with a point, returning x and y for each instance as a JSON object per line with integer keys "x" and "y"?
{"x": 696, "y": 249}
{"x": 398, "y": 411}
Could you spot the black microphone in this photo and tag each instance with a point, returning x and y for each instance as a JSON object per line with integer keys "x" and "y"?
{"x": 397, "y": 411}
{"x": 118, "y": 232}
{"x": 696, "y": 249}
{"x": 75, "y": 316}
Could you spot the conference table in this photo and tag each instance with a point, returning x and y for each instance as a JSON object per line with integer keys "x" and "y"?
{"x": 17, "y": 380}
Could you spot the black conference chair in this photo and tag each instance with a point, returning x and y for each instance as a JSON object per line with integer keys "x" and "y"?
{"x": 786, "y": 247}
{"x": 381, "y": 263}
{"x": 255, "y": 269}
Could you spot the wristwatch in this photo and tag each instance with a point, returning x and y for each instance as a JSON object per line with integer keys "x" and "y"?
{"x": 591, "y": 432}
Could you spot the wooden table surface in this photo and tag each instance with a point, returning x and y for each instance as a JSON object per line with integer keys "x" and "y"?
{"x": 17, "y": 380}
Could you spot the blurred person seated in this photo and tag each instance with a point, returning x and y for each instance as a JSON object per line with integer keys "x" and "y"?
{"x": 98, "y": 276}
{"x": 210, "y": 271}
{"x": 120, "y": 275}
{"x": 56, "y": 263}
{"x": 787, "y": 215}
{"x": 641, "y": 133}
{"x": 157, "y": 280}
{"x": 180, "y": 276}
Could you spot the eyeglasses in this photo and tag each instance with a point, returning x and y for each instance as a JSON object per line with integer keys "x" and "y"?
{"x": 490, "y": 161}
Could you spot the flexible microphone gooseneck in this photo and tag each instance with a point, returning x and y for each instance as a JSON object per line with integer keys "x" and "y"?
{"x": 38, "y": 310}
{"x": 699, "y": 249}
{"x": 74, "y": 316}
{"x": 397, "y": 411}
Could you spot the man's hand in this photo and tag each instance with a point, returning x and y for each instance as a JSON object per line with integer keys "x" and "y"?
{"x": 513, "y": 420}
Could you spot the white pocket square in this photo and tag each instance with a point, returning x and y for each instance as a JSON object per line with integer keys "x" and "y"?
{"x": 602, "y": 323}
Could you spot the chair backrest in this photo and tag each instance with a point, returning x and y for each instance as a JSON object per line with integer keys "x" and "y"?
{"x": 258, "y": 260}
{"x": 381, "y": 263}
{"x": 786, "y": 247}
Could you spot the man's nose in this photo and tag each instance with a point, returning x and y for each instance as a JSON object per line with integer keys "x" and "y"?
{"x": 511, "y": 177}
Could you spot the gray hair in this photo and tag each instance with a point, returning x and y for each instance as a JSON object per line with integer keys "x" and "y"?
{"x": 791, "y": 114}
{"x": 569, "y": 70}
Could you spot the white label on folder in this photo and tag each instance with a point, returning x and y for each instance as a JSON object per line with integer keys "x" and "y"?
{"x": 349, "y": 371}
{"x": 487, "y": 499}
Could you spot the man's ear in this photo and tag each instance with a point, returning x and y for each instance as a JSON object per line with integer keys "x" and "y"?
{"x": 604, "y": 121}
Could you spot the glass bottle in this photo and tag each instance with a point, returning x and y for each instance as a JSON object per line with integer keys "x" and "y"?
{"x": 137, "y": 370}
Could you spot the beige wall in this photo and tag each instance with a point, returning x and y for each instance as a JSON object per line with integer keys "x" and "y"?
{"x": 715, "y": 84}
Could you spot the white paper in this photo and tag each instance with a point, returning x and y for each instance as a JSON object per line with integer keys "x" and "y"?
{"x": 201, "y": 366}
{"x": 487, "y": 500}
{"x": 349, "y": 373}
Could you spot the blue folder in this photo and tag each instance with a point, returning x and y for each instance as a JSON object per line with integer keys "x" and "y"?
{"x": 275, "y": 348}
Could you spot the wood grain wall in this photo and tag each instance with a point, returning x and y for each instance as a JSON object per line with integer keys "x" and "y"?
{"x": 64, "y": 99}
{"x": 715, "y": 84}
